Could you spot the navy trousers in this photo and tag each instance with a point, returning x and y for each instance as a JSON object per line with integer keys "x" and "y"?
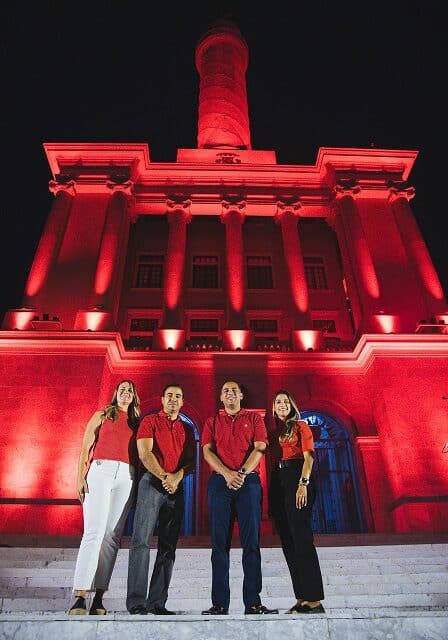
{"x": 224, "y": 506}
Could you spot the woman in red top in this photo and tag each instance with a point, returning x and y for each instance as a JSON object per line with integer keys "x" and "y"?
{"x": 106, "y": 472}
{"x": 292, "y": 495}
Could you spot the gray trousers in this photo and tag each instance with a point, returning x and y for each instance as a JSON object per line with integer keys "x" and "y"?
{"x": 154, "y": 507}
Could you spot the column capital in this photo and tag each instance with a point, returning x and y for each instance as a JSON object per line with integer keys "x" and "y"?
{"x": 179, "y": 204}
{"x": 287, "y": 206}
{"x": 68, "y": 187}
{"x": 123, "y": 187}
{"x": 178, "y": 201}
{"x": 400, "y": 191}
{"x": 126, "y": 191}
{"x": 231, "y": 204}
{"x": 346, "y": 188}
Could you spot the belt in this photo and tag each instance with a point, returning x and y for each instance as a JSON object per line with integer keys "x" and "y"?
{"x": 247, "y": 474}
{"x": 293, "y": 462}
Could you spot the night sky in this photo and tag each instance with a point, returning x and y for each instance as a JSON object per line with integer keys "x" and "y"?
{"x": 321, "y": 74}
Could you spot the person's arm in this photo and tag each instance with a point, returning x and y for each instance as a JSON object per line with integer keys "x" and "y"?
{"x": 172, "y": 480}
{"x": 255, "y": 456}
{"x": 149, "y": 460}
{"x": 88, "y": 440}
{"x": 302, "y": 488}
{"x": 259, "y": 447}
{"x": 234, "y": 480}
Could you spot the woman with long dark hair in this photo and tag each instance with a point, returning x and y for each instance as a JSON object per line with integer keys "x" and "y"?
{"x": 105, "y": 483}
{"x": 292, "y": 495}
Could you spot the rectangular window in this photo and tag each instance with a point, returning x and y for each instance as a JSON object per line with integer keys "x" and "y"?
{"x": 149, "y": 272}
{"x": 259, "y": 272}
{"x": 204, "y": 325}
{"x": 205, "y": 272}
{"x": 316, "y": 276}
{"x": 264, "y": 326}
{"x": 141, "y": 331}
{"x": 143, "y": 325}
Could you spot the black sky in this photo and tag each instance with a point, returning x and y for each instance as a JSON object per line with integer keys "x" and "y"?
{"x": 321, "y": 74}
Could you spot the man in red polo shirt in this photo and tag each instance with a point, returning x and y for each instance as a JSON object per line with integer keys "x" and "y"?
{"x": 233, "y": 443}
{"x": 166, "y": 448}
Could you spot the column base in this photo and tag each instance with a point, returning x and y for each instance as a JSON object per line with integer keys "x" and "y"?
{"x": 169, "y": 340}
{"x": 306, "y": 339}
{"x": 237, "y": 340}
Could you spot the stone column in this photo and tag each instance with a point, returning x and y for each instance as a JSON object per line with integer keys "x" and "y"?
{"x": 361, "y": 280}
{"x": 101, "y": 311}
{"x": 178, "y": 217}
{"x": 110, "y": 264}
{"x": 51, "y": 239}
{"x": 303, "y": 336}
{"x": 171, "y": 335}
{"x": 237, "y": 335}
{"x": 287, "y": 218}
{"x": 233, "y": 217}
{"x": 416, "y": 249}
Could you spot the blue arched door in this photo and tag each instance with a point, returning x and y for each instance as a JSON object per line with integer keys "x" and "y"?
{"x": 338, "y": 508}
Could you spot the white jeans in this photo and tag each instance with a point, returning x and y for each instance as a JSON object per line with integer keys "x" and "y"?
{"x": 105, "y": 510}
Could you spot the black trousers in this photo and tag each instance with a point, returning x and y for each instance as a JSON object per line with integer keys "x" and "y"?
{"x": 296, "y": 534}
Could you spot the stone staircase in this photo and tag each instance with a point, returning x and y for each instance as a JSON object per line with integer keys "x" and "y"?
{"x": 371, "y": 591}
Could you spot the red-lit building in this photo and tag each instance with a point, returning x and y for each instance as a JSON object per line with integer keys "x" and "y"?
{"x": 225, "y": 264}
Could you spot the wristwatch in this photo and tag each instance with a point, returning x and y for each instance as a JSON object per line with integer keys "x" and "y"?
{"x": 243, "y": 471}
{"x": 304, "y": 481}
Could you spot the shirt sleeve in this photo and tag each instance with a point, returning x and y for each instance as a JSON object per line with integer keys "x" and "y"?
{"x": 207, "y": 434}
{"x": 260, "y": 431}
{"x": 146, "y": 428}
{"x": 306, "y": 436}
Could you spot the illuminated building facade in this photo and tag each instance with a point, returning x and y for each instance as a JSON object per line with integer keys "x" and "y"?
{"x": 226, "y": 265}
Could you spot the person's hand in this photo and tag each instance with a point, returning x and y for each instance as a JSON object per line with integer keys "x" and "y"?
{"x": 235, "y": 480}
{"x": 82, "y": 488}
{"x": 301, "y": 496}
{"x": 171, "y": 482}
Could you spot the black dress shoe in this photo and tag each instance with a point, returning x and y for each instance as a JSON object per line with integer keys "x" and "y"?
{"x": 161, "y": 611}
{"x": 259, "y": 609}
{"x": 138, "y": 610}
{"x": 305, "y": 608}
{"x": 215, "y": 610}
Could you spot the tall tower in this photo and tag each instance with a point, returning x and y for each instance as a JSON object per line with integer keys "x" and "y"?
{"x": 221, "y": 60}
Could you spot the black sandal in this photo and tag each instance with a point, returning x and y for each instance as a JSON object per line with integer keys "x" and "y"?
{"x": 79, "y": 608}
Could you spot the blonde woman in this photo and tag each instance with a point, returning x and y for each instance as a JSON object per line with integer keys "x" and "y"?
{"x": 292, "y": 495}
{"x": 105, "y": 484}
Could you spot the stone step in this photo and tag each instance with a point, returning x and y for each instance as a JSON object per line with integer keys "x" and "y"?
{"x": 372, "y": 578}
{"x": 360, "y": 624}
{"x": 371, "y": 591}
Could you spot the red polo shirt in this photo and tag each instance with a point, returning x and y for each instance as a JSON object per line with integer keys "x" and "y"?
{"x": 234, "y": 436}
{"x": 300, "y": 442}
{"x": 172, "y": 439}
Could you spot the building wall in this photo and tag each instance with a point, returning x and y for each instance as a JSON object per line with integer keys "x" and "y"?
{"x": 391, "y": 407}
